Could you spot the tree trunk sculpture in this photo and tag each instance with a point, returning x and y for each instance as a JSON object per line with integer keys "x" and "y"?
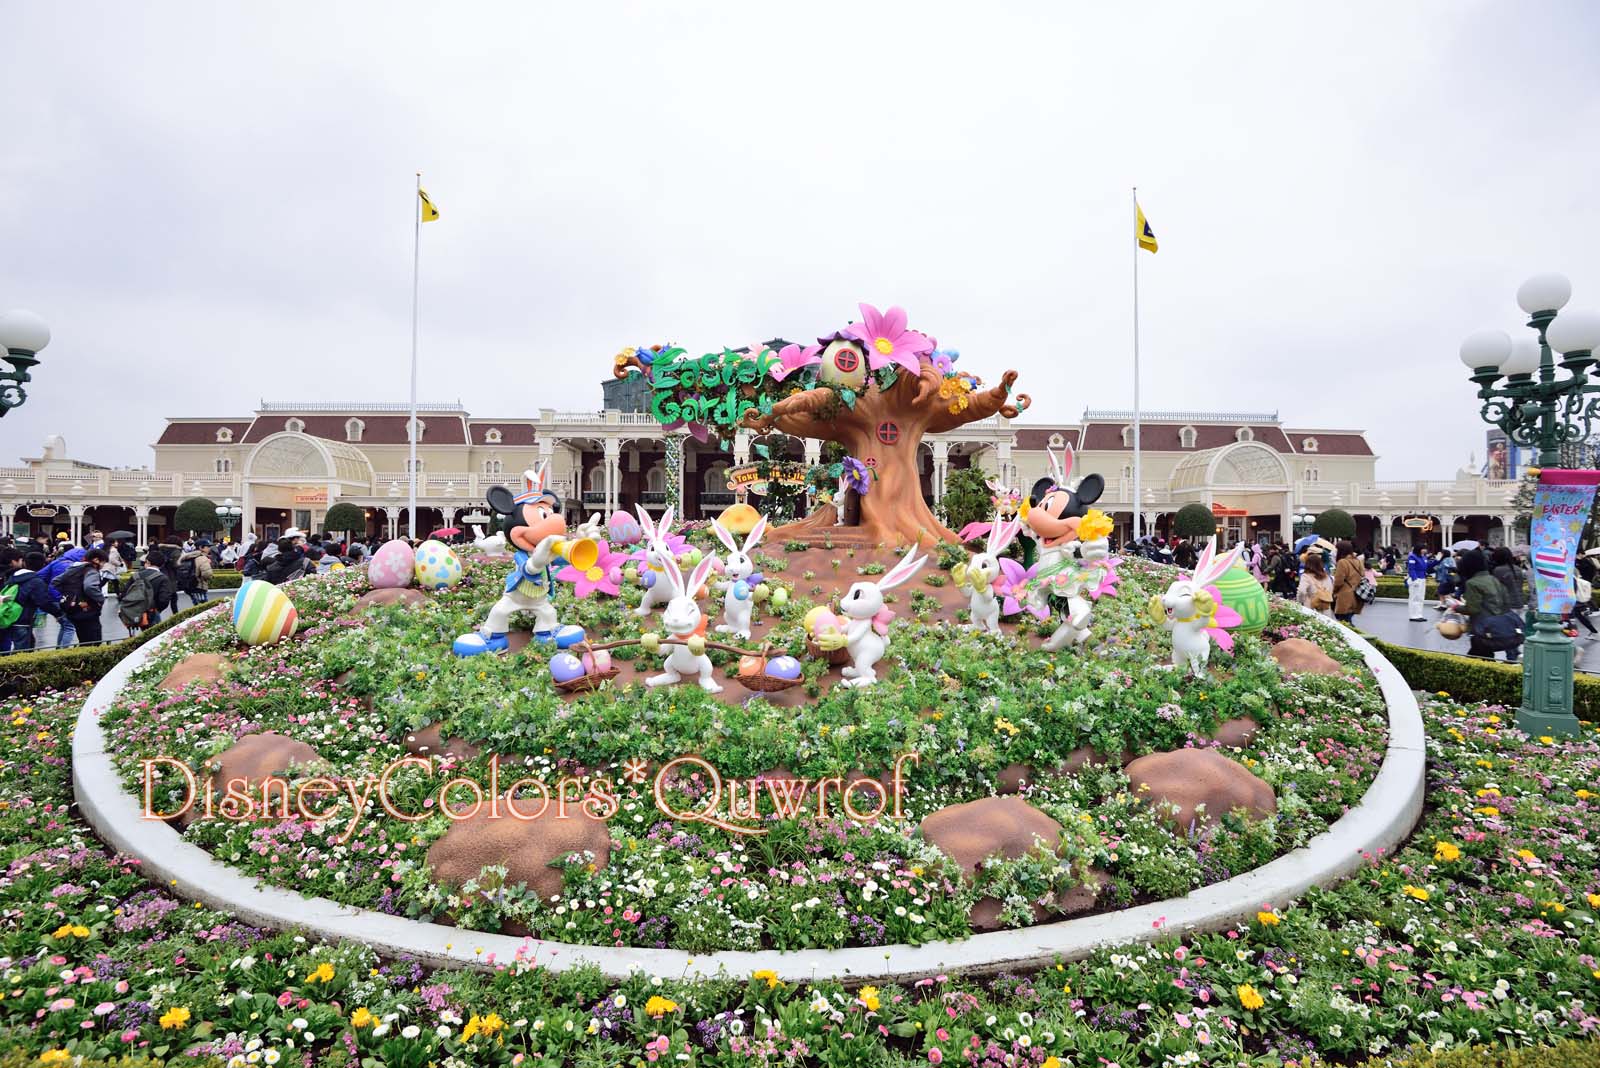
{"x": 884, "y": 430}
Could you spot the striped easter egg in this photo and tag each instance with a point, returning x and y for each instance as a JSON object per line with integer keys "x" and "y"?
{"x": 262, "y": 613}
{"x": 1242, "y": 593}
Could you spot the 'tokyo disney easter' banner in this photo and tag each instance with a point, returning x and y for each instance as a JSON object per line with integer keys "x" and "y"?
{"x": 1561, "y": 503}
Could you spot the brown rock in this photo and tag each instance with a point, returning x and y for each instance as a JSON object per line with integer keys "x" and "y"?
{"x": 205, "y": 668}
{"x": 1192, "y": 778}
{"x": 407, "y": 597}
{"x": 985, "y": 914}
{"x": 1007, "y": 826}
{"x": 527, "y": 848}
{"x": 1012, "y": 777}
{"x": 428, "y": 742}
{"x": 253, "y": 757}
{"x": 1236, "y": 733}
{"x": 1302, "y": 657}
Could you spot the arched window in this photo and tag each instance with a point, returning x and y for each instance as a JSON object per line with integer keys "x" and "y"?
{"x": 1127, "y": 437}
{"x": 716, "y": 478}
{"x": 1313, "y": 475}
{"x": 1127, "y": 470}
{"x": 224, "y": 435}
{"x": 422, "y": 428}
{"x": 655, "y": 479}
{"x": 1309, "y": 445}
{"x": 1187, "y": 436}
{"x": 224, "y": 465}
{"x": 419, "y": 465}
{"x": 353, "y": 429}
{"x": 294, "y": 426}
{"x": 493, "y": 467}
{"x": 1244, "y": 433}
{"x": 492, "y": 435}
{"x": 595, "y": 480}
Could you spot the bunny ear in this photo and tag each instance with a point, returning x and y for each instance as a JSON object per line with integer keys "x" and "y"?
{"x": 701, "y": 571}
{"x": 1221, "y": 565}
{"x": 647, "y": 524}
{"x": 909, "y": 565}
{"x": 674, "y": 572}
{"x": 1055, "y": 468}
{"x": 665, "y": 527}
{"x": 1068, "y": 457}
{"x": 724, "y": 537}
{"x": 758, "y": 532}
{"x": 1206, "y": 554}
{"x": 1008, "y": 533}
{"x": 991, "y": 542}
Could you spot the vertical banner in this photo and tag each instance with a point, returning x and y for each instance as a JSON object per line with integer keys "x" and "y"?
{"x": 1561, "y": 503}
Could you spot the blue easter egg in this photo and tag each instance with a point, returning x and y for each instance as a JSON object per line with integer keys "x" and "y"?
{"x": 564, "y": 667}
{"x": 783, "y": 667}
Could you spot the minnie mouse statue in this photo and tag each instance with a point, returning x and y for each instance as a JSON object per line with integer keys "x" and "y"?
{"x": 532, "y": 522}
{"x": 1074, "y": 550}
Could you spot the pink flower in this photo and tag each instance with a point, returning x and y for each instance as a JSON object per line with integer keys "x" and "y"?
{"x": 792, "y": 358}
{"x": 935, "y": 1055}
{"x": 604, "y": 575}
{"x": 887, "y": 340}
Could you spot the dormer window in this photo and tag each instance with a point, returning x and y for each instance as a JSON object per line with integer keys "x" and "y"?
{"x": 224, "y": 435}
{"x": 1244, "y": 433}
{"x": 294, "y": 426}
{"x": 1127, "y": 437}
{"x": 492, "y": 435}
{"x": 1309, "y": 445}
{"x": 421, "y": 428}
{"x": 353, "y": 429}
{"x": 1187, "y": 436}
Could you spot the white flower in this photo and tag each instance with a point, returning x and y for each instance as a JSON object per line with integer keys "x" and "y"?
{"x": 298, "y": 1023}
{"x": 620, "y": 1001}
{"x": 410, "y": 1031}
{"x": 271, "y": 1056}
{"x": 443, "y": 1031}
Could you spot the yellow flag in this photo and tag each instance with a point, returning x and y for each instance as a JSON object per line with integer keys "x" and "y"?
{"x": 1141, "y": 229}
{"x": 430, "y": 213}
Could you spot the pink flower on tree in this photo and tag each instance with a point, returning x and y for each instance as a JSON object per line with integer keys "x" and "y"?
{"x": 792, "y": 358}
{"x": 888, "y": 340}
{"x": 605, "y": 574}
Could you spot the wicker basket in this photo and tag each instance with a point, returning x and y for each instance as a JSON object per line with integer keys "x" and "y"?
{"x": 585, "y": 683}
{"x": 839, "y": 656}
{"x": 762, "y": 682}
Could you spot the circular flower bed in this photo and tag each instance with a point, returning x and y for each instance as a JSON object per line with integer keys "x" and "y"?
{"x": 1031, "y": 785}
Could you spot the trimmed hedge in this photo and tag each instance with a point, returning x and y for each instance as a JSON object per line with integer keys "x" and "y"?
{"x": 58, "y": 669}
{"x": 1565, "y": 1054}
{"x": 1394, "y": 586}
{"x": 1471, "y": 679}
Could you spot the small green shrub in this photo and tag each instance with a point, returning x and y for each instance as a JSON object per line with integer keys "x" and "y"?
{"x": 1335, "y": 523}
{"x": 60, "y": 669}
{"x": 1194, "y": 521}
{"x": 1470, "y": 679}
{"x": 1561, "y": 1055}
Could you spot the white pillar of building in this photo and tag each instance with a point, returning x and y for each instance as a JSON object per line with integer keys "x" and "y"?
{"x": 1286, "y": 520}
{"x": 613, "y": 473}
{"x": 741, "y": 447}
{"x": 1008, "y": 471}
{"x": 75, "y": 512}
{"x": 392, "y": 513}
{"x": 941, "y": 466}
{"x": 449, "y": 514}
{"x": 141, "y": 517}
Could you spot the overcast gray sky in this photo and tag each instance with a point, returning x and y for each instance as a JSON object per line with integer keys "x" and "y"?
{"x": 211, "y": 203}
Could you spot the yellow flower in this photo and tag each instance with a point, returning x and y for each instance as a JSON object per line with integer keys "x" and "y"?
{"x": 1528, "y": 855}
{"x": 869, "y": 998}
{"x": 1268, "y": 919}
{"x": 487, "y": 1026}
{"x": 323, "y": 974}
{"x": 1051, "y": 1062}
{"x": 360, "y": 1018}
{"x": 1415, "y": 891}
{"x": 659, "y": 1006}
{"x": 1446, "y": 851}
{"x": 1556, "y": 907}
{"x": 1583, "y": 795}
{"x": 1487, "y": 810}
{"x": 1094, "y": 525}
{"x": 1003, "y": 724}
{"x": 770, "y": 976}
{"x": 1249, "y": 998}
{"x": 54, "y": 1056}
{"x": 71, "y": 930}
{"x": 1485, "y": 763}
{"x": 1594, "y": 901}
{"x": 174, "y": 1018}
{"x": 1545, "y": 739}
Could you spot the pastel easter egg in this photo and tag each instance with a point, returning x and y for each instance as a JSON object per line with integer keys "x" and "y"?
{"x": 623, "y": 528}
{"x": 780, "y": 597}
{"x": 262, "y": 613}
{"x": 749, "y": 665}
{"x": 783, "y": 667}
{"x": 1243, "y": 593}
{"x": 437, "y": 565}
{"x": 564, "y": 667}
{"x": 843, "y": 364}
{"x": 392, "y": 566}
{"x": 820, "y": 619}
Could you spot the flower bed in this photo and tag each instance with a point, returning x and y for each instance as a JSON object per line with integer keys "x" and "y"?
{"x": 977, "y": 710}
{"x": 1481, "y": 929}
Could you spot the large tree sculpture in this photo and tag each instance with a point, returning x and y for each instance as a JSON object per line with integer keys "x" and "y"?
{"x": 875, "y": 387}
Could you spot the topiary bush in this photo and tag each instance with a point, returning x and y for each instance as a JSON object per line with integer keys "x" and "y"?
{"x": 345, "y": 518}
{"x": 1335, "y": 523}
{"x": 1194, "y": 521}
{"x": 197, "y": 514}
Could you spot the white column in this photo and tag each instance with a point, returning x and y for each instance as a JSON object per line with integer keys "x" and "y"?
{"x": 1286, "y": 521}
{"x": 741, "y": 447}
{"x": 1007, "y": 472}
{"x": 449, "y": 514}
{"x": 141, "y": 515}
{"x": 75, "y": 511}
{"x": 941, "y": 466}
{"x": 393, "y": 514}
{"x": 613, "y": 473}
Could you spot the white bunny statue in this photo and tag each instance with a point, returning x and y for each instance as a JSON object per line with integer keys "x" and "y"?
{"x": 981, "y": 571}
{"x": 742, "y": 578}
{"x": 1191, "y": 612}
{"x": 867, "y": 636}
{"x": 652, "y": 568}
{"x": 682, "y": 619}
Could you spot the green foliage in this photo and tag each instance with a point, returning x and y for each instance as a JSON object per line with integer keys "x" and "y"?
{"x": 197, "y": 514}
{"x": 345, "y": 518}
{"x": 1473, "y": 679}
{"x": 1194, "y": 521}
{"x": 1565, "y": 1054}
{"x": 60, "y": 669}
{"x": 1335, "y": 523}
{"x": 967, "y": 498}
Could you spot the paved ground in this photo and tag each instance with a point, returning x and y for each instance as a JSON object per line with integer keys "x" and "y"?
{"x": 1386, "y": 618}
{"x": 111, "y": 626}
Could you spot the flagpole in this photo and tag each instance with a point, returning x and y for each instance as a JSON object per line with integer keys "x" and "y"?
{"x": 411, "y": 429}
{"x": 1136, "y": 470}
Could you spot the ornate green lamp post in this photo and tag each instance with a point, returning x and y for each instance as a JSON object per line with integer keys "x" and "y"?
{"x": 1538, "y": 406}
{"x": 22, "y": 336}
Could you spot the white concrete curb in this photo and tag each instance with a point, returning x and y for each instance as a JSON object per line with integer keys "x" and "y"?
{"x": 1384, "y": 817}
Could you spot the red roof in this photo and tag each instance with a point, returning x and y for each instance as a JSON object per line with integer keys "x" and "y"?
{"x": 203, "y": 432}
{"x": 437, "y": 429}
{"x": 512, "y": 434}
{"x": 1330, "y": 444}
{"x": 1037, "y": 438}
{"x": 1164, "y": 437}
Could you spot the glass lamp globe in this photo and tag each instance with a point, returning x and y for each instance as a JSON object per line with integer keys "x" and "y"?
{"x": 23, "y": 330}
{"x": 1524, "y": 358}
{"x": 1544, "y": 292}
{"x": 1486, "y": 348}
{"x": 1577, "y": 331}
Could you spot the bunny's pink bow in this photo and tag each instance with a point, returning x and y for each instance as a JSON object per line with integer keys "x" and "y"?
{"x": 880, "y": 622}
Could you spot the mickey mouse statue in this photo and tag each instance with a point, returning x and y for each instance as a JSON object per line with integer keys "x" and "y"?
{"x": 1072, "y": 549}
{"x": 533, "y": 524}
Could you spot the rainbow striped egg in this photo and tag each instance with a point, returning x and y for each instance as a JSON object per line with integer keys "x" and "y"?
{"x": 262, "y": 613}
